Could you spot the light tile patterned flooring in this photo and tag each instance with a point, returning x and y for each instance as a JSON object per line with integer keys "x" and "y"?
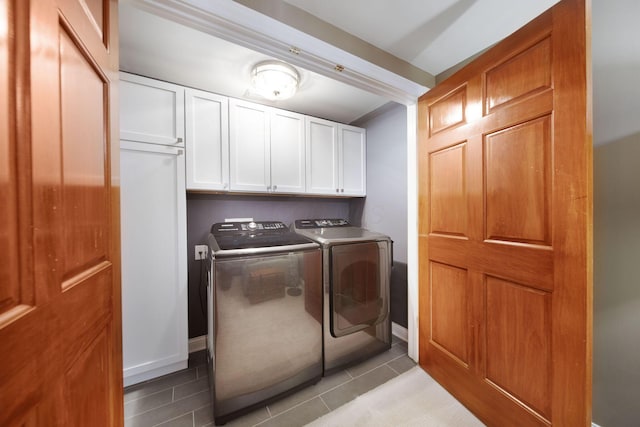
{"x": 182, "y": 399}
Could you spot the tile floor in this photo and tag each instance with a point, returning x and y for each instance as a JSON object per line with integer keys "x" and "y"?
{"x": 182, "y": 398}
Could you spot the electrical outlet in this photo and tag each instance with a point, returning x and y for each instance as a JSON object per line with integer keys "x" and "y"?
{"x": 201, "y": 252}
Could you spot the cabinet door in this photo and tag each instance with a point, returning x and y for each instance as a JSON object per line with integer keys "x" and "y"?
{"x": 207, "y": 140}
{"x": 151, "y": 111}
{"x": 322, "y": 156}
{"x": 352, "y": 161}
{"x": 249, "y": 147}
{"x": 287, "y": 152}
{"x": 154, "y": 275}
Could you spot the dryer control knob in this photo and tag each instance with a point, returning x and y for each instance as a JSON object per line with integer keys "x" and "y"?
{"x": 252, "y": 225}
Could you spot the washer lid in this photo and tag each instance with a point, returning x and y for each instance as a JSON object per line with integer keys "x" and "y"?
{"x": 236, "y": 238}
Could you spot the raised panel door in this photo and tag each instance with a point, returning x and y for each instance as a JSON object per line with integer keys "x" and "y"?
{"x": 505, "y": 227}
{"x": 207, "y": 140}
{"x": 60, "y": 323}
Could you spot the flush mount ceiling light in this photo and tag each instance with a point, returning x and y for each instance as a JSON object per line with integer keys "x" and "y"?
{"x": 275, "y": 80}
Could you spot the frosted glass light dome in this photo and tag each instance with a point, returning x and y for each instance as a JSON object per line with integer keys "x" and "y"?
{"x": 275, "y": 80}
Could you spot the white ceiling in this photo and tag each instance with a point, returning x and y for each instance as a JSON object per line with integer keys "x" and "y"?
{"x": 431, "y": 35}
{"x": 156, "y": 47}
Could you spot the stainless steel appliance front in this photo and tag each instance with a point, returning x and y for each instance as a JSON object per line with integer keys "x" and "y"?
{"x": 265, "y": 322}
{"x": 356, "y": 280}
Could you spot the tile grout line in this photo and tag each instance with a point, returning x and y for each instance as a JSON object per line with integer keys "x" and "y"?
{"x": 328, "y": 390}
{"x": 381, "y": 365}
{"x": 175, "y": 418}
{"x": 170, "y": 403}
{"x": 144, "y": 397}
{"x": 155, "y": 392}
{"x": 305, "y": 401}
{"x": 325, "y": 403}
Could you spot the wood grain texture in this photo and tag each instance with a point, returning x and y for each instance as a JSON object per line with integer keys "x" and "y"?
{"x": 448, "y": 203}
{"x": 450, "y": 310}
{"x": 527, "y": 247}
{"x": 517, "y": 175}
{"x": 526, "y": 73}
{"x": 9, "y": 270}
{"x": 60, "y": 349}
{"x": 518, "y": 342}
{"x": 448, "y": 111}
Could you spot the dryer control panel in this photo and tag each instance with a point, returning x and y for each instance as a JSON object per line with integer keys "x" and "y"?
{"x": 321, "y": 223}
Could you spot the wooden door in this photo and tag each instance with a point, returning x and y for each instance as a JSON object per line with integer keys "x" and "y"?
{"x": 505, "y": 227}
{"x": 60, "y": 338}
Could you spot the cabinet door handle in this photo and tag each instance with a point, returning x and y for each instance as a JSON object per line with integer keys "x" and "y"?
{"x": 337, "y": 190}
{"x": 342, "y": 190}
{"x": 180, "y": 152}
{"x": 269, "y": 188}
{"x": 275, "y": 187}
{"x": 178, "y": 140}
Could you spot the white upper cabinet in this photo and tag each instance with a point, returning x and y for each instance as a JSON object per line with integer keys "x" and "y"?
{"x": 322, "y": 156}
{"x": 266, "y": 149}
{"x": 240, "y": 146}
{"x": 249, "y": 146}
{"x": 207, "y": 140}
{"x": 352, "y": 161}
{"x": 336, "y": 158}
{"x": 151, "y": 111}
{"x": 287, "y": 152}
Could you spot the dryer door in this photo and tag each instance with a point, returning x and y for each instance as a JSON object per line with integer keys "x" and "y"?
{"x": 360, "y": 275}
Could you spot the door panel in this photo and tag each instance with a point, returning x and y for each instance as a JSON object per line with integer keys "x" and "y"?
{"x": 518, "y": 321}
{"x": 60, "y": 290}
{"x": 448, "y": 202}
{"x": 84, "y": 192}
{"x": 517, "y": 198}
{"x": 505, "y": 217}
{"x": 449, "y": 311}
{"x": 523, "y": 75}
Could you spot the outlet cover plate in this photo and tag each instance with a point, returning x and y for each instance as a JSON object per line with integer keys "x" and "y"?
{"x": 201, "y": 252}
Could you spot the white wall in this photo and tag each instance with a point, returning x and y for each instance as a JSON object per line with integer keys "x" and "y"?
{"x": 616, "y": 361}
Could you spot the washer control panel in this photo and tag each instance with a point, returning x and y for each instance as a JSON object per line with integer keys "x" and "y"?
{"x": 227, "y": 227}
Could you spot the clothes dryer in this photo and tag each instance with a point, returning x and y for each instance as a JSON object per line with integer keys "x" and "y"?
{"x": 356, "y": 275}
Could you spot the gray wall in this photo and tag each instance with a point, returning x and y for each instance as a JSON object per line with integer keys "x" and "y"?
{"x": 385, "y": 207}
{"x": 203, "y": 210}
{"x": 616, "y": 364}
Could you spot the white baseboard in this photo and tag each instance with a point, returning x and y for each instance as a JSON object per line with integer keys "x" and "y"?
{"x": 197, "y": 343}
{"x": 400, "y": 331}
{"x": 150, "y": 374}
{"x": 594, "y": 425}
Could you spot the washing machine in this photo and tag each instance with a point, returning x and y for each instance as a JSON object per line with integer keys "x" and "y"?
{"x": 356, "y": 275}
{"x": 264, "y": 315}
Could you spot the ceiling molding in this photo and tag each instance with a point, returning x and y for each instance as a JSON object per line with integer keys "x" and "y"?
{"x": 246, "y": 27}
{"x": 302, "y": 20}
